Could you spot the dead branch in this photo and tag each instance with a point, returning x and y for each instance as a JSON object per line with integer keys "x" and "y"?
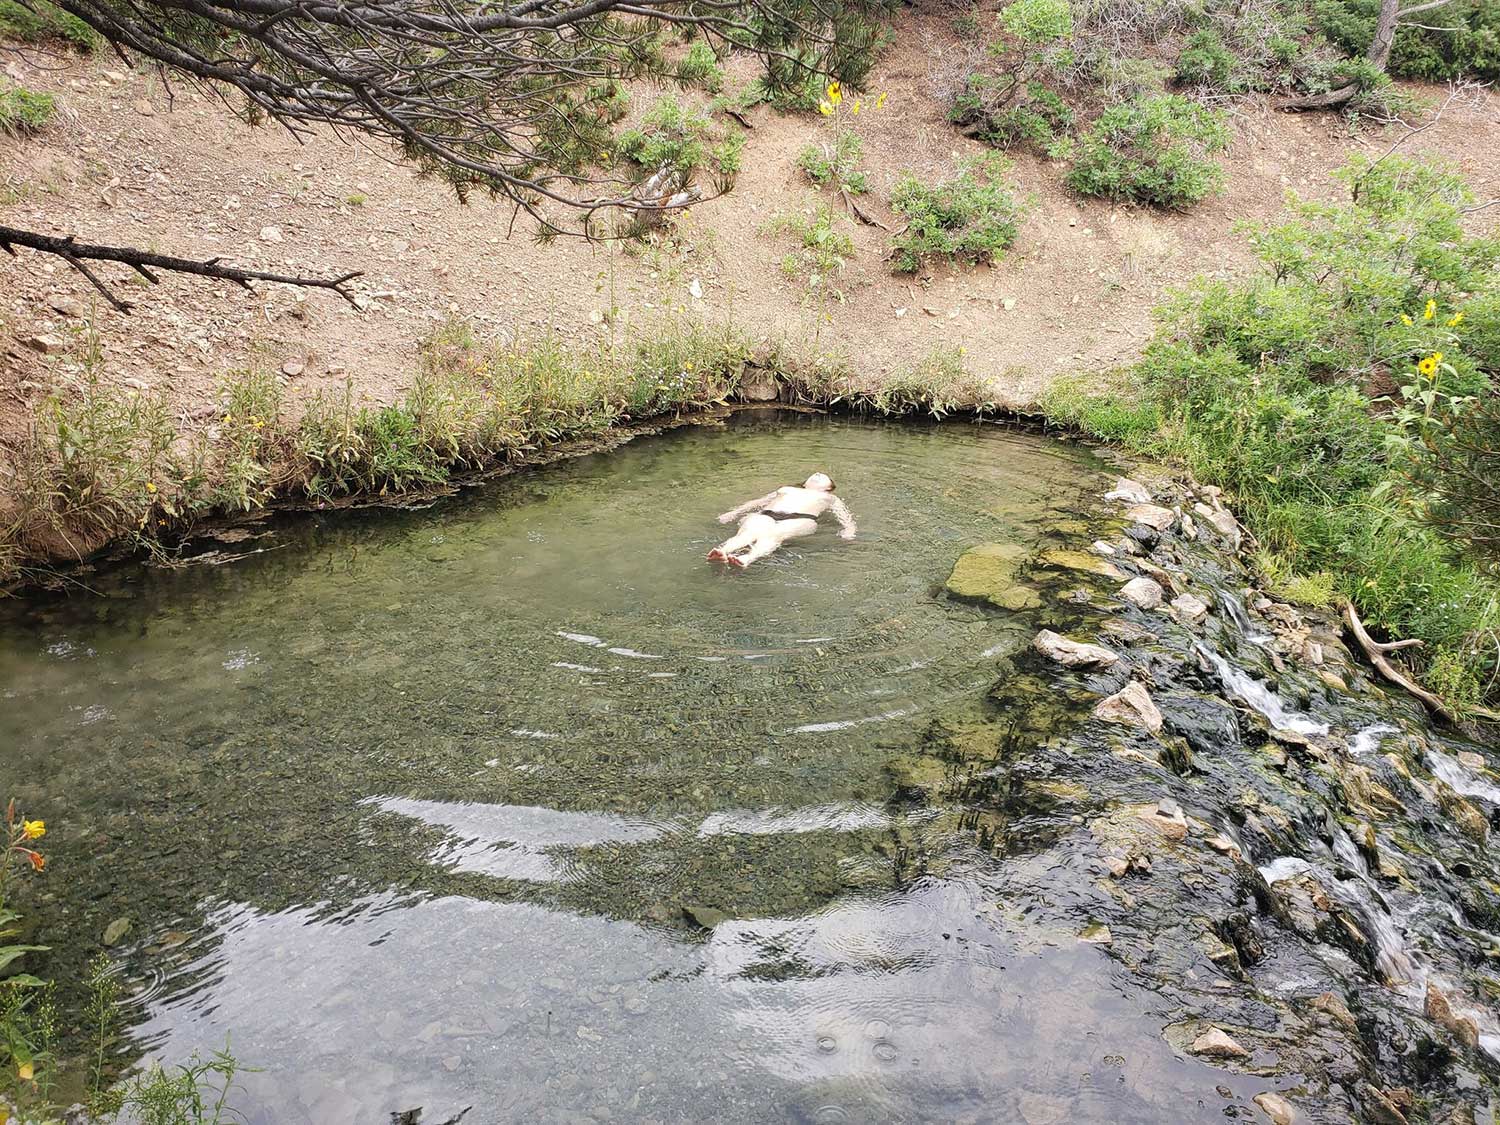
{"x": 860, "y": 213}
{"x": 78, "y": 254}
{"x": 1377, "y": 653}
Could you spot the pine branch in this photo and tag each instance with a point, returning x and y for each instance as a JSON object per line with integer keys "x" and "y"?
{"x": 79, "y": 254}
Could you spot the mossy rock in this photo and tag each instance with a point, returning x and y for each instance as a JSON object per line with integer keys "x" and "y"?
{"x": 986, "y": 573}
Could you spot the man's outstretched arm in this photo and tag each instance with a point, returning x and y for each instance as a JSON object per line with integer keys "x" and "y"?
{"x": 845, "y": 517}
{"x": 748, "y": 506}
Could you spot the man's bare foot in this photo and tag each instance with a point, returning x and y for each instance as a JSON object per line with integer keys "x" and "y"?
{"x": 736, "y": 560}
{"x": 716, "y": 555}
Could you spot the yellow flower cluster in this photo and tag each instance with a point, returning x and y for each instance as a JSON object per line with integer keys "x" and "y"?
{"x": 834, "y": 97}
{"x": 1429, "y": 365}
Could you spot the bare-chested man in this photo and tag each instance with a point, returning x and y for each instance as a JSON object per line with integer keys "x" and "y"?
{"x": 788, "y": 513}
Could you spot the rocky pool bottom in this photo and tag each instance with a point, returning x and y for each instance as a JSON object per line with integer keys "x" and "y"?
{"x": 1024, "y": 807}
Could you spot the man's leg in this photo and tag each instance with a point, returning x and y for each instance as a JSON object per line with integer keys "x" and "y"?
{"x": 741, "y": 539}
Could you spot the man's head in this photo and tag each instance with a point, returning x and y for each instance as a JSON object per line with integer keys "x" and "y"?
{"x": 819, "y": 481}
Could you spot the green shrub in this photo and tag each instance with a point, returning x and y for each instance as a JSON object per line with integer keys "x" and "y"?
{"x": 684, "y": 140}
{"x": 1037, "y": 21}
{"x": 1154, "y": 150}
{"x": 22, "y": 111}
{"x": 700, "y": 67}
{"x": 989, "y": 110}
{"x": 37, "y": 21}
{"x": 1206, "y": 61}
{"x": 835, "y": 162}
{"x": 972, "y": 217}
{"x": 1461, "y": 39}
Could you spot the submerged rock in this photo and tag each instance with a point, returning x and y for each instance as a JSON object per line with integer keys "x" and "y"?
{"x": 1096, "y": 933}
{"x": 986, "y": 573}
{"x": 1215, "y": 1043}
{"x": 1072, "y": 654}
{"x": 1131, "y": 706}
{"x": 1440, "y": 1011}
{"x": 1144, "y": 593}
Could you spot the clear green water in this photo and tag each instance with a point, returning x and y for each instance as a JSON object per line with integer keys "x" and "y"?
{"x": 418, "y": 807}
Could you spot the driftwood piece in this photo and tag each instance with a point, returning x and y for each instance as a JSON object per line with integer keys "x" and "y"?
{"x": 860, "y": 213}
{"x": 1377, "y": 653}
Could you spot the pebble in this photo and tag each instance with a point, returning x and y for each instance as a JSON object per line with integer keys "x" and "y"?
{"x": 143, "y": 107}
{"x": 1215, "y": 1043}
{"x": 1131, "y": 491}
{"x": 293, "y": 367}
{"x": 270, "y": 234}
{"x": 46, "y": 343}
{"x": 1096, "y": 933}
{"x": 66, "y": 305}
{"x": 1145, "y": 593}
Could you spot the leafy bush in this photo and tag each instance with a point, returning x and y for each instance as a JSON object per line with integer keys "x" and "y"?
{"x": 1460, "y": 39}
{"x": 1039, "y": 119}
{"x": 684, "y": 140}
{"x": 1341, "y": 397}
{"x": 1206, "y": 61}
{"x": 37, "y": 21}
{"x": 700, "y": 67}
{"x": 972, "y": 217}
{"x": 1154, "y": 150}
{"x": 1037, "y": 21}
{"x": 835, "y": 162}
{"x": 22, "y": 111}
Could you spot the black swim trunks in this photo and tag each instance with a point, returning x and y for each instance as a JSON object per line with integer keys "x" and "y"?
{"x": 788, "y": 515}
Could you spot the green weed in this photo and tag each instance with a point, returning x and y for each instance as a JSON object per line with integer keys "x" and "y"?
{"x": 1155, "y": 150}
{"x": 972, "y": 217}
{"x": 22, "y": 111}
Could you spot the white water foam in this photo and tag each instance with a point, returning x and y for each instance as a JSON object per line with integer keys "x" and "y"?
{"x": 1262, "y": 698}
{"x": 1463, "y": 781}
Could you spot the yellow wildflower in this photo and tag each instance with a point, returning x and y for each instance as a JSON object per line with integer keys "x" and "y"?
{"x": 835, "y": 93}
{"x": 825, "y": 107}
{"x": 1406, "y": 320}
{"x": 1430, "y": 311}
{"x": 854, "y": 109}
{"x": 1455, "y": 320}
{"x": 33, "y": 829}
{"x": 25, "y": 1070}
{"x": 150, "y": 486}
{"x": 228, "y": 418}
{"x": 1428, "y": 365}
{"x": 880, "y": 101}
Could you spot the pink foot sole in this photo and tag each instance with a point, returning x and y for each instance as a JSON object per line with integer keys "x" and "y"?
{"x": 716, "y": 555}
{"x": 735, "y": 560}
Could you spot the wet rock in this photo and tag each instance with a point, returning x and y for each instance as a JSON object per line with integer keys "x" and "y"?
{"x": 1127, "y": 631}
{"x": 1277, "y": 1108}
{"x": 1215, "y": 1043}
{"x": 115, "y": 932}
{"x": 1131, "y": 707}
{"x": 1102, "y": 547}
{"x": 1332, "y": 679}
{"x": 1470, "y": 760}
{"x": 1380, "y": 1109}
{"x": 1130, "y": 491}
{"x": 1224, "y": 845}
{"x": 1080, "y": 560}
{"x": 1072, "y": 654}
{"x": 1096, "y": 933}
{"x": 1305, "y": 902}
{"x": 1145, "y": 593}
{"x": 1440, "y": 1011}
{"x": 1153, "y": 516}
{"x": 1166, "y": 818}
{"x": 1471, "y": 822}
{"x": 705, "y": 916}
{"x": 986, "y": 572}
{"x": 1221, "y": 521}
{"x": 1190, "y": 608}
{"x": 1018, "y": 597}
{"x": 1189, "y": 528}
{"x": 1332, "y": 1005}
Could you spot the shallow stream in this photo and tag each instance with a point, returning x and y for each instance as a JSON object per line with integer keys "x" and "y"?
{"x": 516, "y": 802}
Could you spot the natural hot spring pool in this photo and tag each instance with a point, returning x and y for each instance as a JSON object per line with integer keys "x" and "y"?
{"x": 515, "y": 802}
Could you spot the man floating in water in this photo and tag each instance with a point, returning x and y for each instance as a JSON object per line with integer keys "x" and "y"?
{"x": 788, "y": 513}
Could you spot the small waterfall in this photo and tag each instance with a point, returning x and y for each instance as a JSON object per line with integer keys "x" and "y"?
{"x": 1460, "y": 778}
{"x": 1368, "y": 739}
{"x": 1234, "y": 609}
{"x": 1255, "y": 693}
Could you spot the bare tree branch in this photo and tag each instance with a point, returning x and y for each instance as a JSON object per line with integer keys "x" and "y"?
{"x": 79, "y": 254}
